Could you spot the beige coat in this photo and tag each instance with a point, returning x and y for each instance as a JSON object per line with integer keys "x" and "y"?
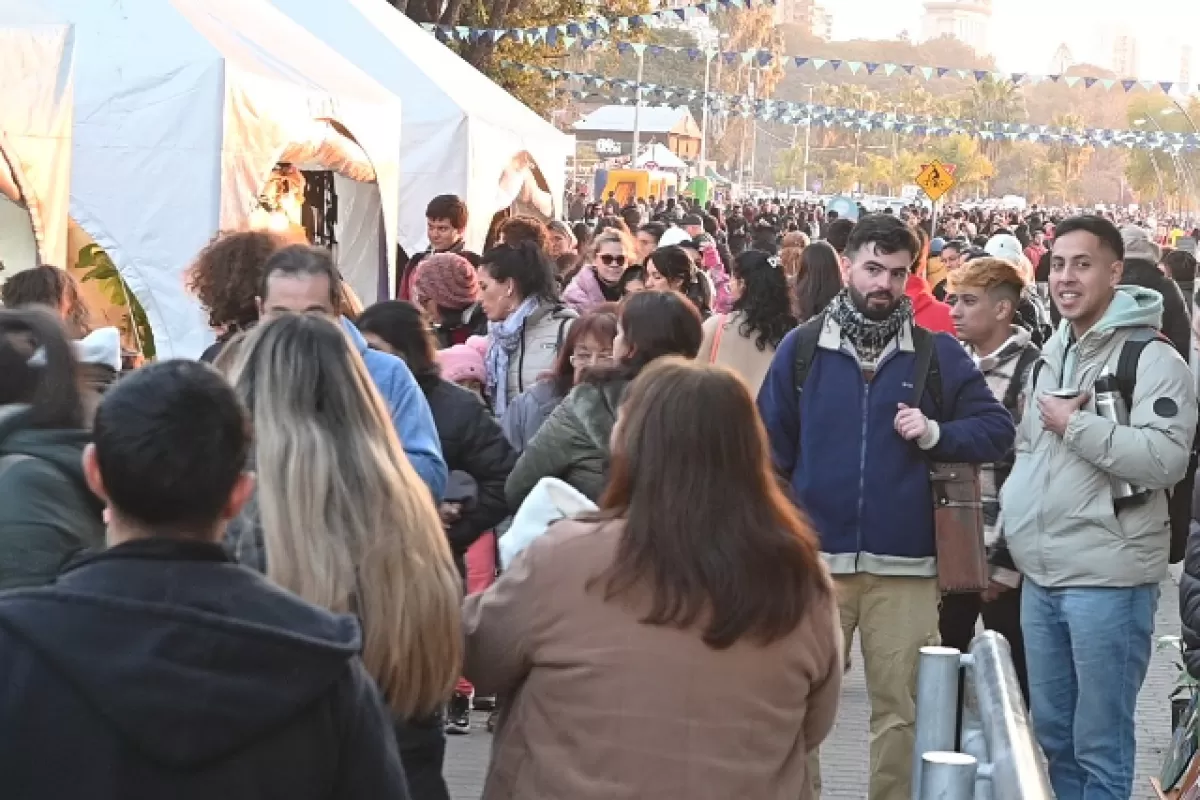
{"x": 598, "y": 706}
{"x": 735, "y": 351}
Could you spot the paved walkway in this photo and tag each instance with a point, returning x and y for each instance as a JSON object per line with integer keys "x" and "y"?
{"x": 844, "y": 754}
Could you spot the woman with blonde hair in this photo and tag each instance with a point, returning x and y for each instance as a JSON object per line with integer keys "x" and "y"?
{"x": 342, "y": 519}
{"x": 599, "y": 282}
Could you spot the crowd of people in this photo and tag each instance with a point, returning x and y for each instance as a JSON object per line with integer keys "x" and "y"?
{"x": 585, "y": 481}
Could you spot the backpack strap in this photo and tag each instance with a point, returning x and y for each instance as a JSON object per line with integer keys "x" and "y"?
{"x": 1025, "y": 361}
{"x": 1127, "y": 362}
{"x": 928, "y": 372}
{"x": 807, "y": 336}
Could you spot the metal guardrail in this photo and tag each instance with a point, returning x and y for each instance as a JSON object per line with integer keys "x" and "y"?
{"x": 997, "y": 756}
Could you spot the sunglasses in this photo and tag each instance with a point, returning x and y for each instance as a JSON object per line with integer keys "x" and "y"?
{"x": 608, "y": 260}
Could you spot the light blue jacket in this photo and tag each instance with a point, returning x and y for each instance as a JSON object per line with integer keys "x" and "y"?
{"x": 410, "y": 412}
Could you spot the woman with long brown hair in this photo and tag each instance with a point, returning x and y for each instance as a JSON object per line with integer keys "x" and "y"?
{"x": 688, "y": 627}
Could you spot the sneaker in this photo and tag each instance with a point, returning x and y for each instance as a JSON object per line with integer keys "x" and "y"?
{"x": 484, "y": 703}
{"x": 458, "y": 715}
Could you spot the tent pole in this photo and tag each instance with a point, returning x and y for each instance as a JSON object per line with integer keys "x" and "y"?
{"x": 637, "y": 109}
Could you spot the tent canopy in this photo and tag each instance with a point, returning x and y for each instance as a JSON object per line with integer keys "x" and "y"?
{"x": 36, "y": 61}
{"x": 660, "y": 155}
{"x": 183, "y": 109}
{"x": 463, "y": 134}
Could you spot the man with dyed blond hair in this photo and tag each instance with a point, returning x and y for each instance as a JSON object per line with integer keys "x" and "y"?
{"x": 983, "y": 296}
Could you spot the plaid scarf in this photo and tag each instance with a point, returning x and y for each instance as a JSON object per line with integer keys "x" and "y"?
{"x": 868, "y": 336}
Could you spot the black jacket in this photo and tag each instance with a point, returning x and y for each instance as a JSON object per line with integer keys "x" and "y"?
{"x": 1189, "y": 592}
{"x": 159, "y": 669}
{"x": 472, "y": 442}
{"x": 1176, "y": 324}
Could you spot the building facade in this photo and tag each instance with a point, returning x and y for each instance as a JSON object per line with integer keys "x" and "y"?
{"x": 969, "y": 21}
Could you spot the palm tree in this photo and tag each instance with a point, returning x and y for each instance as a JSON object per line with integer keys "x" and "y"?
{"x": 994, "y": 100}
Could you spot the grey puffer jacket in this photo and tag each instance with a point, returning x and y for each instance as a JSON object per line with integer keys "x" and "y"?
{"x": 572, "y": 445}
{"x": 525, "y": 415}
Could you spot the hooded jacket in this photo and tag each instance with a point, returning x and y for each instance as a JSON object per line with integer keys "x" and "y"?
{"x": 47, "y": 512}
{"x": 1073, "y": 536}
{"x": 929, "y": 312}
{"x": 410, "y": 412}
{"x": 158, "y": 669}
{"x": 1189, "y": 592}
{"x": 572, "y": 445}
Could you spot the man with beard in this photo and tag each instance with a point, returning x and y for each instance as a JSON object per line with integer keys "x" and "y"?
{"x": 857, "y": 455}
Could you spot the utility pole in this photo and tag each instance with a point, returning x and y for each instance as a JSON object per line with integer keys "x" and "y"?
{"x": 708, "y": 59}
{"x": 808, "y": 136}
{"x": 637, "y": 109}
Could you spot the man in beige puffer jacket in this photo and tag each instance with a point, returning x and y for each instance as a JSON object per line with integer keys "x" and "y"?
{"x": 1092, "y": 572}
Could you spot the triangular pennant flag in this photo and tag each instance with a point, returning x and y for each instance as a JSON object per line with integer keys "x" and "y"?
{"x": 1107, "y": 83}
{"x": 888, "y": 69}
{"x": 835, "y": 63}
{"x": 941, "y": 71}
{"x": 1071, "y": 80}
{"x": 681, "y": 13}
{"x": 963, "y": 73}
{"x": 1089, "y": 82}
{"x": 908, "y": 68}
{"x": 980, "y": 75}
{"x": 765, "y": 57}
{"x": 1128, "y": 84}
{"x": 800, "y": 61}
{"x": 928, "y": 72}
{"x": 1053, "y": 78}
{"x": 1149, "y": 86}
{"x": 818, "y": 63}
{"x": 1017, "y": 77}
{"x": 747, "y": 57}
{"x": 854, "y": 66}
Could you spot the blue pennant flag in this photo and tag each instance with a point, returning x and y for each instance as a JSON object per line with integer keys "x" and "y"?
{"x": 908, "y": 68}
{"x": 801, "y": 61}
{"x": 1128, "y": 84}
{"x": 941, "y": 71}
{"x": 764, "y": 57}
{"x": 1089, "y": 82}
{"x": 980, "y": 75}
{"x": 871, "y": 67}
{"x": 1166, "y": 86}
{"x": 835, "y": 63}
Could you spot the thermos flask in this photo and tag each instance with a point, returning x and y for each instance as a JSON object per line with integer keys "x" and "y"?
{"x": 1110, "y": 404}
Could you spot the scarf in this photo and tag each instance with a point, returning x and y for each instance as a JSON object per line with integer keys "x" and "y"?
{"x": 504, "y": 339}
{"x": 868, "y": 336}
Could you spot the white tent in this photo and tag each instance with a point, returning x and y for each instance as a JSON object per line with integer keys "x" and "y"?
{"x": 183, "y": 108}
{"x": 463, "y": 134}
{"x": 36, "y": 54}
{"x": 662, "y": 158}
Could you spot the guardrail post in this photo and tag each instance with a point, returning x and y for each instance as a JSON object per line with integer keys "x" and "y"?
{"x": 947, "y": 776}
{"x": 937, "y": 707}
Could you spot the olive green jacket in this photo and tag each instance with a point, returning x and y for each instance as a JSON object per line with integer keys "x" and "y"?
{"x": 572, "y": 444}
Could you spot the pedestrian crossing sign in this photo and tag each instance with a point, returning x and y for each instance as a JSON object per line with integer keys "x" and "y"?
{"x": 936, "y": 179}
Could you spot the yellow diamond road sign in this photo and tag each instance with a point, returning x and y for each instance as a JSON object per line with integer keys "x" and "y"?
{"x": 935, "y": 179}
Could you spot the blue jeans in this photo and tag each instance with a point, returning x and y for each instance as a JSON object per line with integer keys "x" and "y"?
{"x": 1087, "y": 652}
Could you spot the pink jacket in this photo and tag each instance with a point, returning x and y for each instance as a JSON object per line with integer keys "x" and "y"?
{"x": 583, "y": 293}
{"x": 710, "y": 260}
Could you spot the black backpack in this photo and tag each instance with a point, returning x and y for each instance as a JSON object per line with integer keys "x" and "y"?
{"x": 1179, "y": 498}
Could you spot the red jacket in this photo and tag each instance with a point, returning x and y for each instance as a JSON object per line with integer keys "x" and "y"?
{"x": 931, "y": 313}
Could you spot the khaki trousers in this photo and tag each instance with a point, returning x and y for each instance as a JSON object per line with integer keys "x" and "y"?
{"x": 895, "y": 617}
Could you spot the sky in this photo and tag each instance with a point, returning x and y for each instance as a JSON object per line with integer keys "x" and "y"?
{"x": 1025, "y": 33}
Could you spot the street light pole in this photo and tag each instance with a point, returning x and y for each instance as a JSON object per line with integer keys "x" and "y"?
{"x": 637, "y": 109}
{"x": 808, "y": 136}
{"x": 708, "y": 59}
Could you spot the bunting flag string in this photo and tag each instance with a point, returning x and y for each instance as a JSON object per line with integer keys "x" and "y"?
{"x": 805, "y": 114}
{"x": 588, "y": 36}
{"x": 567, "y": 33}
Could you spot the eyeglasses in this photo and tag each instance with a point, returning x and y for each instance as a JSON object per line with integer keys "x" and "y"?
{"x": 608, "y": 260}
{"x": 582, "y": 358}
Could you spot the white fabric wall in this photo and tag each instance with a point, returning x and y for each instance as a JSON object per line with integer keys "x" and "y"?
{"x": 359, "y": 215}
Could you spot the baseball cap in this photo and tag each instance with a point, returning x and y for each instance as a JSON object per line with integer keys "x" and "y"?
{"x": 1004, "y": 245}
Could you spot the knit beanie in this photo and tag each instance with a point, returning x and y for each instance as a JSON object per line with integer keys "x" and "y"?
{"x": 461, "y": 363}
{"x": 447, "y": 279}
